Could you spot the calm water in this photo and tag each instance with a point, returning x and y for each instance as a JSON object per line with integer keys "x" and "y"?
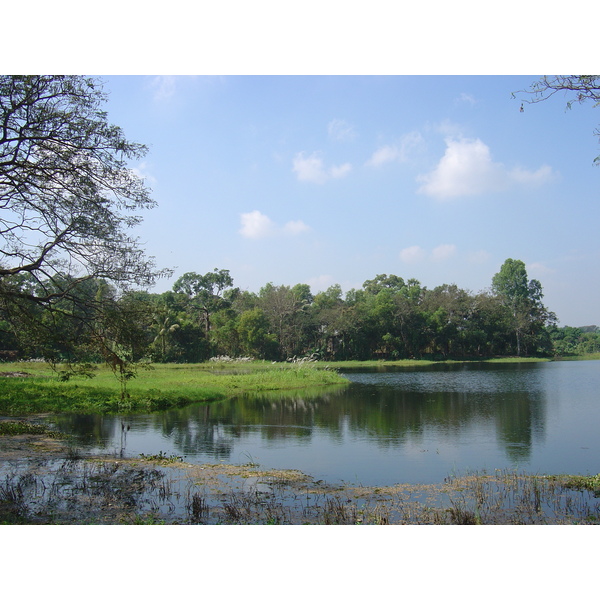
{"x": 413, "y": 426}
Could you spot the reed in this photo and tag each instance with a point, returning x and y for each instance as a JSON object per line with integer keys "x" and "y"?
{"x": 106, "y": 490}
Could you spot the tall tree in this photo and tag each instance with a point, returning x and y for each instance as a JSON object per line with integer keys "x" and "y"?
{"x": 67, "y": 194}
{"x": 523, "y": 298}
{"x": 205, "y": 292}
{"x": 288, "y": 310}
{"x": 68, "y": 199}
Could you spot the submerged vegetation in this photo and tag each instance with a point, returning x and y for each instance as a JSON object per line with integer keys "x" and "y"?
{"x": 27, "y": 428}
{"x": 157, "y": 489}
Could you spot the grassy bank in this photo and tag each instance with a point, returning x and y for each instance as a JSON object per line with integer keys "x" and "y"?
{"x": 35, "y": 388}
{"x": 373, "y": 364}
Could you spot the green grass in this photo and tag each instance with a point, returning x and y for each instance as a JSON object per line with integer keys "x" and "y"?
{"x": 158, "y": 388}
{"x": 370, "y": 364}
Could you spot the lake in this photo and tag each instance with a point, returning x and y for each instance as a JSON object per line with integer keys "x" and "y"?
{"x": 392, "y": 425}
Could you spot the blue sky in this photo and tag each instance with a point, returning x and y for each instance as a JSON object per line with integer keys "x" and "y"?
{"x": 335, "y": 179}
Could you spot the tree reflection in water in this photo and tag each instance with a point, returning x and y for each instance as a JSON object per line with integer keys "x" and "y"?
{"x": 403, "y": 424}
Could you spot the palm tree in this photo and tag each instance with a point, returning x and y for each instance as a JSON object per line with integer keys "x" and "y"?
{"x": 165, "y": 321}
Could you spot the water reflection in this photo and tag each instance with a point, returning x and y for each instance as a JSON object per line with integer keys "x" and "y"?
{"x": 463, "y": 414}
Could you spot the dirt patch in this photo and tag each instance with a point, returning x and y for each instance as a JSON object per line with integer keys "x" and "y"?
{"x": 28, "y": 446}
{"x": 14, "y": 374}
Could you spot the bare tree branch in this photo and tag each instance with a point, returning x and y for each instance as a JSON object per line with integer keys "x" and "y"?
{"x": 576, "y": 89}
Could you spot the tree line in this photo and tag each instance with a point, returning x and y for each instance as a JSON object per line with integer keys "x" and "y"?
{"x": 205, "y": 316}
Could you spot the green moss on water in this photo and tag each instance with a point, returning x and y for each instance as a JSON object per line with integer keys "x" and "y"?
{"x": 26, "y": 428}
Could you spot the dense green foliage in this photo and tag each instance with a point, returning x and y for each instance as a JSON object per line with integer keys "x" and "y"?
{"x": 575, "y": 341}
{"x": 205, "y": 316}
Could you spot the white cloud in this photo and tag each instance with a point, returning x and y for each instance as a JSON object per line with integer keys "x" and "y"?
{"x": 311, "y": 168}
{"x": 467, "y": 169}
{"x": 396, "y": 152}
{"x": 295, "y": 227}
{"x": 412, "y": 254}
{"x": 443, "y": 252}
{"x": 341, "y": 131}
{"x": 255, "y": 226}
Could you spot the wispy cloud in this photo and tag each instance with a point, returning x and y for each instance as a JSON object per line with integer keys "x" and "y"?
{"x": 539, "y": 177}
{"x": 466, "y": 99}
{"x": 399, "y": 152}
{"x": 164, "y": 87}
{"x": 167, "y": 89}
{"x": 142, "y": 171}
{"x": 312, "y": 169}
{"x": 384, "y": 155}
{"x": 539, "y": 269}
{"x": 443, "y": 252}
{"x": 341, "y": 131}
{"x": 295, "y": 227}
{"x": 467, "y": 169}
{"x": 415, "y": 254}
{"x": 412, "y": 254}
{"x": 256, "y": 225}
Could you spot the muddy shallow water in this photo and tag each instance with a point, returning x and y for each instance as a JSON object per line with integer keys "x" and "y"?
{"x": 44, "y": 480}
